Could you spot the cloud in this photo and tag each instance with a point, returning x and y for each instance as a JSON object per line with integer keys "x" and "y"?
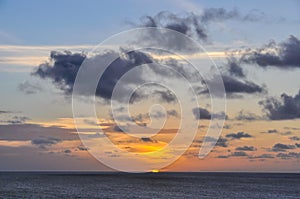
{"x": 196, "y": 25}
{"x": 234, "y": 68}
{"x": 246, "y": 148}
{"x": 63, "y": 68}
{"x": 247, "y": 116}
{"x": 282, "y": 147}
{"x": 239, "y": 135}
{"x": 271, "y": 131}
{"x": 284, "y": 55}
{"x": 294, "y": 138}
{"x": 221, "y": 142}
{"x": 239, "y": 154}
{"x": 43, "y": 142}
{"x": 17, "y": 120}
{"x": 204, "y": 114}
{"x": 146, "y": 139}
{"x": 234, "y": 86}
{"x": 82, "y": 148}
{"x": 263, "y": 156}
{"x": 286, "y": 108}
{"x": 28, "y": 132}
{"x": 29, "y": 88}
{"x": 166, "y": 96}
{"x": 172, "y": 113}
{"x": 288, "y": 155}
{"x": 5, "y": 112}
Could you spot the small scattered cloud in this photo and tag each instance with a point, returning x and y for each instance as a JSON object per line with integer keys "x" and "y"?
{"x": 204, "y": 114}
{"x": 246, "y": 148}
{"x": 282, "y": 147}
{"x": 43, "y": 142}
{"x": 238, "y": 135}
{"x": 17, "y": 120}
{"x": 288, "y": 155}
{"x": 247, "y": 116}
{"x": 29, "y": 88}
{"x": 239, "y": 154}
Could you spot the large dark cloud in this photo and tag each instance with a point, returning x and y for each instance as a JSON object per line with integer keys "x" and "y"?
{"x": 238, "y": 135}
{"x": 64, "y": 66}
{"x": 284, "y": 55}
{"x": 286, "y": 108}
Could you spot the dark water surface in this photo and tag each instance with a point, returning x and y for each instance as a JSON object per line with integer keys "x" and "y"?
{"x": 150, "y": 185}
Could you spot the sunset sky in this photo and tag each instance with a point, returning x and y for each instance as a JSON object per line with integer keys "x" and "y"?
{"x": 255, "y": 45}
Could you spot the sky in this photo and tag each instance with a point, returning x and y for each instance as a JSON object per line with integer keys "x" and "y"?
{"x": 254, "y": 47}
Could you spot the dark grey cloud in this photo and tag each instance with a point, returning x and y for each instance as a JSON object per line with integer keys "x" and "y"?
{"x": 288, "y": 107}
{"x": 294, "y": 138}
{"x": 282, "y": 147}
{"x": 239, "y": 154}
{"x": 288, "y": 155}
{"x": 223, "y": 156}
{"x": 201, "y": 113}
{"x": 196, "y": 25}
{"x": 173, "y": 113}
{"x": 204, "y": 114}
{"x": 238, "y": 135}
{"x": 271, "y": 131}
{"x": 234, "y": 68}
{"x": 67, "y": 151}
{"x": 82, "y": 148}
{"x": 64, "y": 66}
{"x": 284, "y": 55}
{"x": 246, "y": 148}
{"x": 29, "y": 88}
{"x": 44, "y": 142}
{"x": 234, "y": 87}
{"x": 146, "y": 139}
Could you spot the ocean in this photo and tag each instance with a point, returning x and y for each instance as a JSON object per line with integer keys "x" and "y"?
{"x": 149, "y": 185}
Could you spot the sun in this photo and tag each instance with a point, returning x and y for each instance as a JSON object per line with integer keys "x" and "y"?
{"x": 155, "y": 171}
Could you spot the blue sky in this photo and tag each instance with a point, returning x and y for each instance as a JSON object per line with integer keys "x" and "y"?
{"x": 63, "y": 22}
